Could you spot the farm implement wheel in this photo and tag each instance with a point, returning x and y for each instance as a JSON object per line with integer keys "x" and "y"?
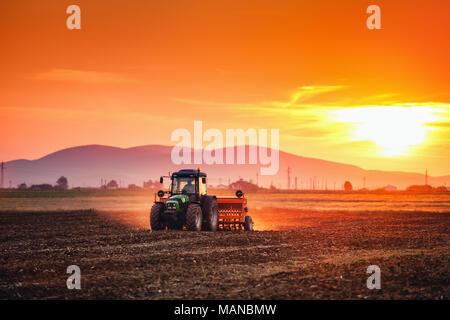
{"x": 194, "y": 217}
{"x": 248, "y": 223}
{"x": 155, "y": 217}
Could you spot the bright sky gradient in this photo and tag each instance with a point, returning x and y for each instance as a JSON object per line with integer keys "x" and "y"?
{"x": 137, "y": 70}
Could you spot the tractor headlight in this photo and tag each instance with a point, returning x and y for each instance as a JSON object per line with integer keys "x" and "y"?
{"x": 171, "y": 206}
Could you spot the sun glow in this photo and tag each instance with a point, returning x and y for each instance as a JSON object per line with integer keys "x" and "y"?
{"x": 394, "y": 129}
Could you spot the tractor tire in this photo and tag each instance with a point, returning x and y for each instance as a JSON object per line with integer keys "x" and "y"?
{"x": 194, "y": 217}
{"x": 248, "y": 223}
{"x": 155, "y": 217}
{"x": 210, "y": 214}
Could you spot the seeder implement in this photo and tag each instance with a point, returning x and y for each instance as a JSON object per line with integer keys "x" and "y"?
{"x": 233, "y": 213}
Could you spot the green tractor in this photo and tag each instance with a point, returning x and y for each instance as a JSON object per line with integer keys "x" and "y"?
{"x": 188, "y": 205}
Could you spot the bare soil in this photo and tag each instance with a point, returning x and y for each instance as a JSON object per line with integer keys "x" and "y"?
{"x": 298, "y": 255}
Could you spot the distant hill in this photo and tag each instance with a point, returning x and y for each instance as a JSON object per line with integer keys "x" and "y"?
{"x": 86, "y": 165}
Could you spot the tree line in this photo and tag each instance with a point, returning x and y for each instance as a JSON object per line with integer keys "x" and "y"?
{"x": 61, "y": 184}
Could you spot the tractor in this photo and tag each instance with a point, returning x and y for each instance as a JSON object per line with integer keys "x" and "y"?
{"x": 187, "y": 205}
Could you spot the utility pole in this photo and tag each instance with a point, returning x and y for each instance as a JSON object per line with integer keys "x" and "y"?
{"x": 295, "y": 182}
{"x": 2, "y": 169}
{"x": 364, "y": 182}
{"x": 289, "y": 178}
{"x": 257, "y": 179}
{"x": 426, "y": 176}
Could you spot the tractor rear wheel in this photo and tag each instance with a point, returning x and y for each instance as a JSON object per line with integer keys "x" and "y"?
{"x": 211, "y": 214}
{"x": 194, "y": 217}
{"x": 248, "y": 223}
{"x": 155, "y": 217}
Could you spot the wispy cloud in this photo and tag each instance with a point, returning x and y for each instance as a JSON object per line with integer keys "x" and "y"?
{"x": 300, "y": 97}
{"x": 72, "y": 75}
{"x": 439, "y": 124}
{"x": 305, "y": 93}
{"x": 196, "y": 102}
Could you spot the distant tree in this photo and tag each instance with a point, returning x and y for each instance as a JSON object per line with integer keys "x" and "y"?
{"x": 420, "y": 188}
{"x": 441, "y": 189}
{"x": 390, "y": 187}
{"x": 348, "y": 186}
{"x": 112, "y": 184}
{"x": 152, "y": 184}
{"x": 22, "y": 186}
{"x": 41, "y": 187}
{"x": 242, "y": 184}
{"x": 62, "y": 183}
{"x": 133, "y": 187}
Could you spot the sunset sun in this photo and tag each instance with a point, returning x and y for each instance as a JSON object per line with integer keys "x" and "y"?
{"x": 395, "y": 130}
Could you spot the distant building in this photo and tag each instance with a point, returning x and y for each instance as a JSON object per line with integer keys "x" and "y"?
{"x": 152, "y": 184}
{"x": 22, "y": 186}
{"x": 133, "y": 187}
{"x": 390, "y": 187}
{"x": 112, "y": 185}
{"x": 221, "y": 186}
{"x": 244, "y": 185}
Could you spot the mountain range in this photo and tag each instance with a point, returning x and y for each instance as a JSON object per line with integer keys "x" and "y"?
{"x": 86, "y": 166}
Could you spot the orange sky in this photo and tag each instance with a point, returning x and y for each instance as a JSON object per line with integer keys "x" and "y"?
{"x": 137, "y": 70}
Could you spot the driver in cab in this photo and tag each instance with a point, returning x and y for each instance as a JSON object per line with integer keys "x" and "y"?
{"x": 189, "y": 188}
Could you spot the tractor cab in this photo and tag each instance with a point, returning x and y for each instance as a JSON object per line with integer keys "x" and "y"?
{"x": 189, "y": 182}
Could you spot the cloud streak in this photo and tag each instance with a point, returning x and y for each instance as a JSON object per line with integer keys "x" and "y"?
{"x": 83, "y": 76}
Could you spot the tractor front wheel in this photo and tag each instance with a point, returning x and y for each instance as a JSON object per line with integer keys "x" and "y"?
{"x": 248, "y": 223}
{"x": 194, "y": 217}
{"x": 155, "y": 217}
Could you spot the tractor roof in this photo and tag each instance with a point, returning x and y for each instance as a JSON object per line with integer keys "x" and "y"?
{"x": 188, "y": 173}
